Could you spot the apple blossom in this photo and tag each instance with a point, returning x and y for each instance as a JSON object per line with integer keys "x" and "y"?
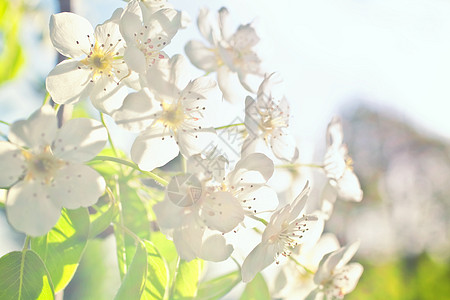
{"x": 232, "y": 56}
{"x": 171, "y": 119}
{"x": 335, "y": 277}
{"x": 284, "y": 231}
{"x": 267, "y": 121}
{"x": 97, "y": 68}
{"x": 43, "y": 166}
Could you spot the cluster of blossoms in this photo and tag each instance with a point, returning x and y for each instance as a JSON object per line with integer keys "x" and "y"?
{"x": 213, "y": 200}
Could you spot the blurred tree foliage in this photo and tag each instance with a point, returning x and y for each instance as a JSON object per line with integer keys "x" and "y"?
{"x": 12, "y": 56}
{"x": 419, "y": 278}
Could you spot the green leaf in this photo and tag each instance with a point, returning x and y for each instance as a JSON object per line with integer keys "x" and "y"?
{"x": 134, "y": 282}
{"x": 186, "y": 280}
{"x": 119, "y": 235}
{"x": 62, "y": 247}
{"x": 157, "y": 281}
{"x": 102, "y": 218}
{"x": 218, "y": 287}
{"x": 23, "y": 276}
{"x": 256, "y": 289}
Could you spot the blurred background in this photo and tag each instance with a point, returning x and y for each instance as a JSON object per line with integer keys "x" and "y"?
{"x": 383, "y": 66}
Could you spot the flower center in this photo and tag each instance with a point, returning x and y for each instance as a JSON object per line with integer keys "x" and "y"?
{"x": 42, "y": 166}
{"x": 172, "y": 115}
{"x": 100, "y": 61}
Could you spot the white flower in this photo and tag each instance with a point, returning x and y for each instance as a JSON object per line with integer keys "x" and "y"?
{"x": 154, "y": 5}
{"x": 147, "y": 33}
{"x": 171, "y": 119}
{"x": 343, "y": 182}
{"x": 230, "y": 55}
{"x": 284, "y": 231}
{"x": 248, "y": 184}
{"x": 181, "y": 216}
{"x": 97, "y": 68}
{"x": 267, "y": 119}
{"x": 297, "y": 282}
{"x": 335, "y": 277}
{"x": 43, "y": 165}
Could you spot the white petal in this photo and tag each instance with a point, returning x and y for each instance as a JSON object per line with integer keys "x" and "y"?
{"x": 154, "y": 148}
{"x": 335, "y": 135}
{"x": 68, "y": 84}
{"x": 214, "y": 248}
{"x": 255, "y": 168}
{"x": 135, "y": 59}
{"x": 201, "y": 56}
{"x": 79, "y": 140}
{"x": 108, "y": 33}
{"x": 252, "y": 117}
{"x": 167, "y": 78}
{"x": 221, "y": 211}
{"x": 188, "y": 241}
{"x": 205, "y": 26}
{"x": 230, "y": 86}
{"x": 334, "y": 163}
{"x": 12, "y": 164}
{"x": 348, "y": 187}
{"x": 271, "y": 90}
{"x": 329, "y": 195}
{"x": 224, "y": 23}
{"x": 137, "y": 111}
{"x": 131, "y": 22}
{"x": 262, "y": 199}
{"x": 71, "y": 34}
{"x": 283, "y": 145}
{"x": 30, "y": 209}
{"x": 168, "y": 215}
{"x": 347, "y": 278}
{"x": 299, "y": 203}
{"x": 36, "y": 132}
{"x": 197, "y": 141}
{"x": 77, "y": 185}
{"x": 334, "y": 260}
{"x": 107, "y": 95}
{"x": 261, "y": 257}
{"x": 164, "y": 23}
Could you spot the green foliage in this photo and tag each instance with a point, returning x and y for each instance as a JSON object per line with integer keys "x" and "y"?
{"x": 134, "y": 282}
{"x": 23, "y": 276}
{"x": 256, "y": 289}
{"x": 186, "y": 280}
{"x": 12, "y": 56}
{"x": 62, "y": 247}
{"x": 218, "y": 287}
{"x": 408, "y": 279}
{"x": 157, "y": 282}
{"x": 105, "y": 211}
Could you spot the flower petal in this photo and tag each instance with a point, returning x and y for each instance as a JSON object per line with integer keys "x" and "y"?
{"x": 221, "y": 211}
{"x": 201, "y": 56}
{"x": 255, "y": 168}
{"x": 135, "y": 59}
{"x": 77, "y": 186}
{"x": 12, "y": 164}
{"x": 348, "y": 187}
{"x": 168, "y": 215}
{"x": 198, "y": 141}
{"x": 71, "y": 34}
{"x": 67, "y": 84}
{"x": 137, "y": 111}
{"x": 214, "y": 248}
{"x": 283, "y": 145}
{"x": 230, "y": 86}
{"x": 154, "y": 148}
{"x": 79, "y": 140}
{"x": 30, "y": 209}
{"x": 107, "y": 95}
{"x": 299, "y": 203}
{"x": 188, "y": 241}
{"x": 259, "y": 258}
{"x": 36, "y": 132}
{"x": 329, "y": 195}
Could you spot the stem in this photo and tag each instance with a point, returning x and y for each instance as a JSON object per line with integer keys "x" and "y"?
{"x": 299, "y": 264}
{"x": 231, "y": 125}
{"x": 131, "y": 233}
{"x": 259, "y": 219}
{"x": 6, "y": 123}
{"x": 47, "y": 97}
{"x": 26, "y": 243}
{"x": 153, "y": 176}
{"x": 102, "y": 118}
